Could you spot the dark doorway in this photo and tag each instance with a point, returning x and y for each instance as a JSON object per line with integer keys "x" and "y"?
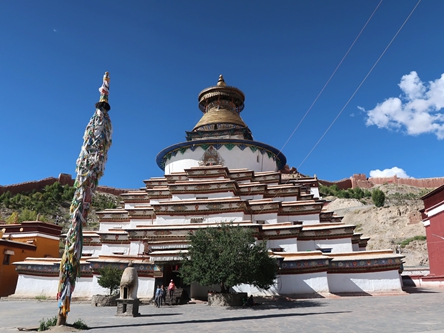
{"x": 172, "y": 272}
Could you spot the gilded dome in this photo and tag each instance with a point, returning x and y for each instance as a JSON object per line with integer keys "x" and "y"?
{"x": 221, "y": 105}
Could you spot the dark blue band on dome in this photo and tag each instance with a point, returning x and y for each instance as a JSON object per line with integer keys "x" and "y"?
{"x": 281, "y": 160}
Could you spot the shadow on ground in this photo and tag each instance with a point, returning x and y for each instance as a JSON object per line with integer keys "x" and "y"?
{"x": 264, "y": 304}
{"x": 220, "y": 320}
{"x": 418, "y": 290}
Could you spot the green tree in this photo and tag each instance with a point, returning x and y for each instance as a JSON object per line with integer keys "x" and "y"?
{"x": 28, "y": 215}
{"x": 13, "y": 218}
{"x": 227, "y": 255}
{"x": 110, "y": 277}
{"x": 378, "y": 197}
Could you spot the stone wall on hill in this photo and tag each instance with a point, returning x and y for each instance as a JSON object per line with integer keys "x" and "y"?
{"x": 357, "y": 180}
{"x": 63, "y": 179}
{"x": 361, "y": 181}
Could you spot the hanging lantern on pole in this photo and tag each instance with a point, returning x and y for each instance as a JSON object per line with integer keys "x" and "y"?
{"x": 90, "y": 166}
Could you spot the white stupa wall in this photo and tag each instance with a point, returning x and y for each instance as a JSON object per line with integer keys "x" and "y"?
{"x": 146, "y": 287}
{"x": 307, "y": 219}
{"x": 92, "y": 251}
{"x": 388, "y": 281}
{"x": 31, "y": 286}
{"x": 287, "y": 244}
{"x": 291, "y": 284}
{"x": 133, "y": 223}
{"x": 110, "y": 249}
{"x": 136, "y": 248}
{"x": 192, "y": 196}
{"x": 338, "y": 245}
{"x": 106, "y": 226}
{"x": 282, "y": 199}
{"x": 310, "y": 283}
{"x": 208, "y": 218}
{"x": 233, "y": 159}
{"x": 315, "y": 191}
{"x": 96, "y": 289}
{"x": 252, "y": 197}
{"x": 129, "y": 205}
{"x": 268, "y": 218}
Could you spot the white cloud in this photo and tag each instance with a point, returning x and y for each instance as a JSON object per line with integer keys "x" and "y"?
{"x": 418, "y": 110}
{"x": 400, "y": 173}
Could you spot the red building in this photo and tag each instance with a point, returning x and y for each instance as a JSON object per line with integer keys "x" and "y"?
{"x": 433, "y": 220}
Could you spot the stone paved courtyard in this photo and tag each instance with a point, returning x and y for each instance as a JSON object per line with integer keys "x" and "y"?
{"x": 418, "y": 310}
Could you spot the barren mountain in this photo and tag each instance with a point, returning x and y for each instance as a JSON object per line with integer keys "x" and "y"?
{"x": 397, "y": 223}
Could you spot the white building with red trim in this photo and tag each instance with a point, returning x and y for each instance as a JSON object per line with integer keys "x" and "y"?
{"x": 221, "y": 175}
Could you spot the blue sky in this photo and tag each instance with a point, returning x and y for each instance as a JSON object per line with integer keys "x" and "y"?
{"x": 161, "y": 54}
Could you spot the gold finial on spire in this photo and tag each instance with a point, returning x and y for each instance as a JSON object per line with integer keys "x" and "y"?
{"x": 221, "y": 81}
{"x": 104, "y": 89}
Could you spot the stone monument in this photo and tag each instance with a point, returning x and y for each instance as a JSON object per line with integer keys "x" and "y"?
{"x": 128, "y": 303}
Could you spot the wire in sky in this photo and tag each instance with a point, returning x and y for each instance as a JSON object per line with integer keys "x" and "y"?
{"x": 331, "y": 76}
{"x": 362, "y": 82}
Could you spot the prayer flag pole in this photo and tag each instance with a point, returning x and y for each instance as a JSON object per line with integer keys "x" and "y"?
{"x": 89, "y": 168}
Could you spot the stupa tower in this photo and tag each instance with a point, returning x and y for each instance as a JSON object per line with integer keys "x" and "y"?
{"x": 220, "y": 137}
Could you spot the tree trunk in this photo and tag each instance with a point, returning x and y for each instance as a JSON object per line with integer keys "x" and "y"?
{"x": 61, "y": 320}
{"x": 223, "y": 288}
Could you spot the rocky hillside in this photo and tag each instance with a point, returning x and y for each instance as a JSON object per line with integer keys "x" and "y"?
{"x": 59, "y": 212}
{"x": 397, "y": 223}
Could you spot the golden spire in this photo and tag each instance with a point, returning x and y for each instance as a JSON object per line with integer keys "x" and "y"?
{"x": 221, "y": 81}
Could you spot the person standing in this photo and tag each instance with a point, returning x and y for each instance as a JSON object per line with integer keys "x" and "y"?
{"x": 171, "y": 288}
{"x": 164, "y": 292}
{"x": 158, "y": 296}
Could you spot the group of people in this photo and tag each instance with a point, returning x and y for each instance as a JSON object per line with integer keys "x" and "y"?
{"x": 248, "y": 301}
{"x": 161, "y": 291}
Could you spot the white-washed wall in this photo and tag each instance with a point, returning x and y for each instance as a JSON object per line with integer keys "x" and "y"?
{"x": 371, "y": 282}
{"x": 109, "y": 249}
{"x": 140, "y": 222}
{"x": 92, "y": 251}
{"x": 34, "y": 286}
{"x": 208, "y": 218}
{"x": 284, "y": 199}
{"x": 315, "y": 191}
{"x": 217, "y": 195}
{"x": 146, "y": 287}
{"x": 96, "y": 289}
{"x": 307, "y": 219}
{"x": 136, "y": 248}
{"x": 252, "y": 197}
{"x": 269, "y": 218}
{"x": 288, "y": 244}
{"x": 310, "y": 283}
{"x": 336, "y": 245}
{"x": 233, "y": 159}
{"x": 113, "y": 225}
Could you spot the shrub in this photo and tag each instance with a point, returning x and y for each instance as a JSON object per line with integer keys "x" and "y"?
{"x": 378, "y": 197}
{"x": 46, "y": 324}
{"x": 80, "y": 325}
{"x": 110, "y": 278}
{"x": 407, "y": 241}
